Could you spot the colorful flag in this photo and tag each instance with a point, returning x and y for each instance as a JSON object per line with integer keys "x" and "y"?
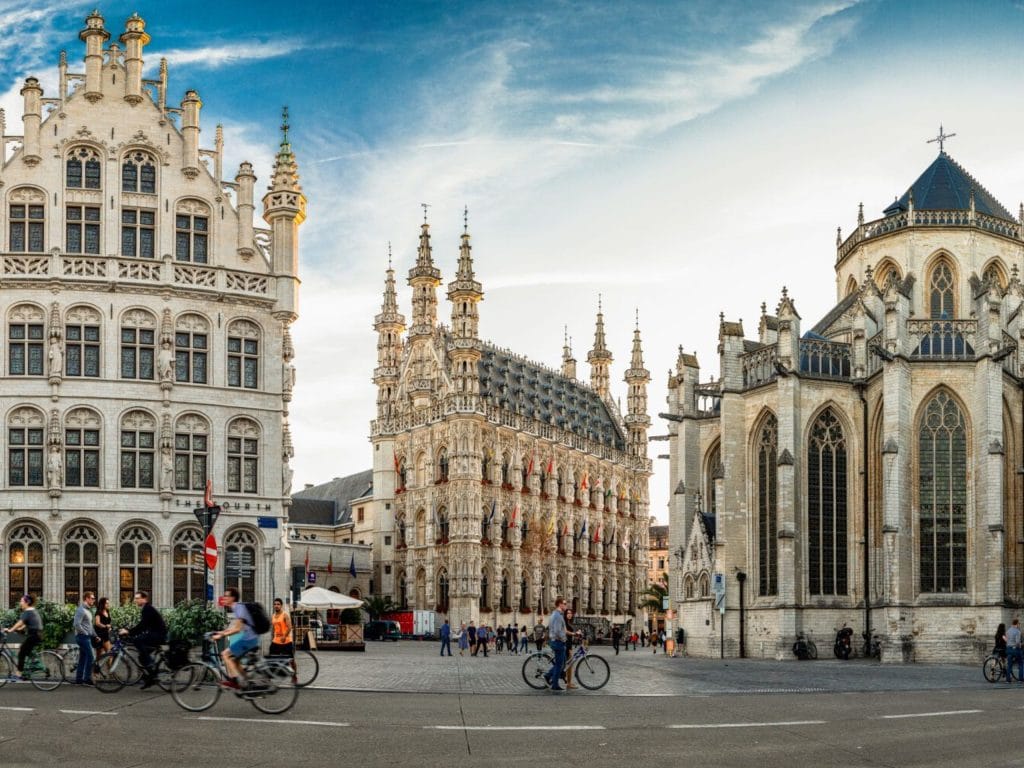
{"x": 494, "y": 506}
{"x": 607, "y": 493}
{"x": 583, "y": 531}
{"x": 394, "y": 457}
{"x": 597, "y": 533}
{"x": 208, "y": 497}
{"x": 551, "y": 465}
{"x": 529, "y": 468}
{"x": 330, "y": 564}
{"x": 512, "y": 520}
{"x": 352, "y": 566}
{"x": 583, "y": 482}
{"x": 307, "y": 559}
{"x": 551, "y": 525}
{"x": 565, "y": 530}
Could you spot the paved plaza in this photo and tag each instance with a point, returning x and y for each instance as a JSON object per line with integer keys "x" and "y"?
{"x": 415, "y": 666}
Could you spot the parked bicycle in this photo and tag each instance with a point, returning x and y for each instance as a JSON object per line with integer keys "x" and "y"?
{"x": 804, "y": 648}
{"x": 120, "y": 666}
{"x": 197, "y": 686}
{"x": 44, "y": 669}
{"x": 994, "y": 668}
{"x": 588, "y": 669}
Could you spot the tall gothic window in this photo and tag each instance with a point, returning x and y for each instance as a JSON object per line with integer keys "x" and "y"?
{"x": 714, "y": 465}
{"x": 135, "y": 558}
{"x": 191, "y": 446}
{"x": 83, "y": 169}
{"x": 403, "y": 597}
{"x": 188, "y": 584}
{"x": 442, "y": 592}
{"x": 940, "y": 292}
{"x": 27, "y": 227}
{"x": 240, "y": 563}
{"x": 767, "y": 507}
{"x": 138, "y": 345}
{"x": 190, "y": 349}
{"x": 191, "y": 232}
{"x": 82, "y": 449}
{"x": 25, "y": 563}
{"x": 942, "y": 480}
{"x": 138, "y": 173}
{"x": 826, "y": 506}
{"x": 485, "y": 598}
{"x": 25, "y": 431}
{"x": 243, "y": 456}
{"x": 504, "y": 602}
{"x": 243, "y": 354}
{"x": 138, "y": 450}
{"x": 25, "y": 338}
{"x": 82, "y": 348}
{"x": 81, "y": 563}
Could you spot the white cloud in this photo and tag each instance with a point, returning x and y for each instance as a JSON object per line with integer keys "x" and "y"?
{"x": 226, "y": 54}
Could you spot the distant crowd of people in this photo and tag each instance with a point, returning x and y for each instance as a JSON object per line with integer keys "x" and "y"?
{"x": 513, "y": 639}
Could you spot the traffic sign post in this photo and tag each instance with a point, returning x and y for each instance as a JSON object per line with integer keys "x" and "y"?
{"x": 718, "y": 585}
{"x": 207, "y": 516}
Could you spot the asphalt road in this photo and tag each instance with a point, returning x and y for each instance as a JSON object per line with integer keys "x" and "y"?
{"x": 82, "y": 727}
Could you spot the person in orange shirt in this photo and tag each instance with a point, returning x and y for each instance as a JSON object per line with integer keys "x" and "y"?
{"x": 281, "y": 641}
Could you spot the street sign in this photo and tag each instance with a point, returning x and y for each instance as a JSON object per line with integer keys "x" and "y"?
{"x": 207, "y": 516}
{"x": 198, "y": 566}
{"x": 211, "y": 552}
{"x": 720, "y": 602}
{"x": 209, "y": 593}
{"x": 311, "y": 577}
{"x": 718, "y": 585}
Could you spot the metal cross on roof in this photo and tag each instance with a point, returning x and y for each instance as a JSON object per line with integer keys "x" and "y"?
{"x": 425, "y": 206}
{"x": 941, "y": 138}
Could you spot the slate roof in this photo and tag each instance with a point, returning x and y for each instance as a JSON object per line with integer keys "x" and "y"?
{"x": 946, "y": 186}
{"x": 710, "y": 524}
{"x": 529, "y": 389}
{"x": 338, "y": 492}
{"x": 833, "y": 315}
{"x": 658, "y": 533}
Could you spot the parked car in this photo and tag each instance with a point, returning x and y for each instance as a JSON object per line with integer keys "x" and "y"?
{"x": 382, "y": 630}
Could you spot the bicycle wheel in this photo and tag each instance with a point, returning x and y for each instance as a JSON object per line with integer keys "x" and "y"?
{"x": 993, "y": 669}
{"x": 112, "y": 671}
{"x": 307, "y": 668}
{"x": 536, "y": 666}
{"x": 69, "y": 662}
{"x": 6, "y": 669}
{"x": 195, "y": 687}
{"x": 592, "y": 672}
{"x": 47, "y": 672}
{"x": 812, "y": 649}
{"x": 279, "y": 693}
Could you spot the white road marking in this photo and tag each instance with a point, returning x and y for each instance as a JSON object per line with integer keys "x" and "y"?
{"x": 18, "y": 709}
{"x": 269, "y": 720}
{"x": 933, "y": 714}
{"x": 514, "y": 727}
{"x": 84, "y": 712}
{"x": 694, "y": 726}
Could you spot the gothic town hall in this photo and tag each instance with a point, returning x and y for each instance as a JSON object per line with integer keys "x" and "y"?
{"x": 864, "y": 469}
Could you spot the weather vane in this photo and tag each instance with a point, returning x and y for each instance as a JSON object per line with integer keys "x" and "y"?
{"x": 425, "y": 206}
{"x": 941, "y": 138}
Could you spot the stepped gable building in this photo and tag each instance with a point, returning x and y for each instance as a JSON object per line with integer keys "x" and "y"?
{"x": 500, "y": 483}
{"x": 865, "y": 470}
{"x": 145, "y": 345}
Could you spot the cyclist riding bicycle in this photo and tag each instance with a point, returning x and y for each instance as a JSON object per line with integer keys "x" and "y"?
{"x": 31, "y": 623}
{"x": 148, "y": 635}
{"x": 245, "y": 638}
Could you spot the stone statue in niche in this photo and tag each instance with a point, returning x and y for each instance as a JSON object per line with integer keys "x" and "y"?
{"x": 166, "y": 467}
{"x": 54, "y": 468}
{"x": 56, "y": 357}
{"x": 287, "y": 473}
{"x": 165, "y": 362}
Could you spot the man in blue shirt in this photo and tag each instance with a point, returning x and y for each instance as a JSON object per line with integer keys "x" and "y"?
{"x": 446, "y": 638}
{"x": 556, "y": 639}
{"x": 245, "y": 638}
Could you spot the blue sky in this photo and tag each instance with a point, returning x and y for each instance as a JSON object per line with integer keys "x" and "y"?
{"x": 685, "y": 158}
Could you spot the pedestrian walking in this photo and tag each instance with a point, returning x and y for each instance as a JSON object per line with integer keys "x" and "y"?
{"x": 524, "y": 638}
{"x": 616, "y": 637}
{"x": 557, "y": 638}
{"x": 463, "y": 639}
{"x": 1013, "y": 652}
{"x": 482, "y": 635}
{"x": 84, "y": 633}
{"x": 643, "y": 639}
{"x": 446, "y": 637}
{"x": 472, "y": 638}
{"x": 499, "y": 642}
{"x": 102, "y": 624}
{"x": 512, "y": 635}
{"x": 538, "y": 635}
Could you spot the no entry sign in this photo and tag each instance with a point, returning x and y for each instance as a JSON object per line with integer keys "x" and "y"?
{"x": 211, "y": 552}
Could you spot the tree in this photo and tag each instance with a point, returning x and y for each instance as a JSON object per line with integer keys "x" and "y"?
{"x": 652, "y": 598}
{"x": 377, "y": 605}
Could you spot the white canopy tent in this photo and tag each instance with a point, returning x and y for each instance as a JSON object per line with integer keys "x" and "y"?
{"x": 318, "y": 597}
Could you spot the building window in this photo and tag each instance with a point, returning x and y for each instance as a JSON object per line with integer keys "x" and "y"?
{"x": 360, "y": 514}
{"x": 187, "y": 549}
{"x": 190, "y": 238}
{"x": 442, "y": 592}
{"x": 243, "y": 456}
{"x": 27, "y": 223}
{"x": 135, "y": 561}
{"x": 421, "y": 528}
{"x": 138, "y": 450}
{"x": 485, "y": 597}
{"x": 443, "y": 525}
{"x": 767, "y": 512}
{"x": 138, "y": 346}
{"x": 190, "y": 350}
{"x": 942, "y": 480}
{"x": 82, "y": 449}
{"x": 82, "y": 229}
{"x": 243, "y": 354}
{"x": 387, "y": 541}
{"x": 387, "y": 569}
{"x": 81, "y": 563}
{"x": 940, "y": 292}
{"x": 138, "y": 233}
{"x": 190, "y": 452}
{"x": 25, "y": 332}
{"x": 25, "y": 429}
{"x": 661, "y": 563}
{"x": 138, "y": 173}
{"x": 82, "y": 343}
{"x": 83, "y": 169}
{"x": 24, "y": 564}
{"x": 240, "y": 563}
{"x": 826, "y": 506}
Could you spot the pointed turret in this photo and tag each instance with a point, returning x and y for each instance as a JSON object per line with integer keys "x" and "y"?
{"x": 389, "y": 324}
{"x": 568, "y": 361}
{"x": 424, "y": 279}
{"x": 94, "y": 36}
{"x": 599, "y": 357}
{"x": 465, "y": 293}
{"x": 284, "y": 209}
{"x": 637, "y": 378}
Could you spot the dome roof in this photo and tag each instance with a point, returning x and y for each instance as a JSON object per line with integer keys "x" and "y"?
{"x": 946, "y": 186}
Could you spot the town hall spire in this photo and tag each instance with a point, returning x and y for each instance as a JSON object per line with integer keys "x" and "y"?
{"x": 424, "y": 279}
{"x": 465, "y": 293}
{"x": 599, "y": 357}
{"x": 637, "y": 378}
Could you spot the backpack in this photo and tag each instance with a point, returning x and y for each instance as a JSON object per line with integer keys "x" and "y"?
{"x": 260, "y": 622}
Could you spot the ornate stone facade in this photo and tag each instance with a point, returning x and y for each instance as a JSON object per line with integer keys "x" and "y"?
{"x": 145, "y": 344}
{"x": 499, "y": 483}
{"x": 865, "y": 471}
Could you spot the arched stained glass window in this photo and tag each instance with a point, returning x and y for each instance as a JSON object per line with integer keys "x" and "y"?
{"x": 826, "y": 506}
{"x": 940, "y": 292}
{"x": 767, "y": 507}
{"x": 81, "y": 563}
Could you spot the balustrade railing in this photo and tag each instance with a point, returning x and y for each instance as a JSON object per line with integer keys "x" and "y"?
{"x": 758, "y": 366}
{"x": 1010, "y": 360}
{"x": 708, "y": 399}
{"x": 874, "y": 361}
{"x": 942, "y": 339}
{"x": 826, "y": 359}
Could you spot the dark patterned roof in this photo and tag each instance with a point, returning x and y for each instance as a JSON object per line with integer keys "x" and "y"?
{"x": 946, "y": 186}
{"x": 529, "y": 389}
{"x": 821, "y": 329}
{"x": 710, "y": 524}
{"x": 338, "y": 493}
{"x": 657, "y": 535}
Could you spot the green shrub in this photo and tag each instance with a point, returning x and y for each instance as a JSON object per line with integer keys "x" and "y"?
{"x": 57, "y": 622}
{"x": 124, "y": 616}
{"x": 191, "y": 619}
{"x": 8, "y": 616}
{"x": 351, "y": 616}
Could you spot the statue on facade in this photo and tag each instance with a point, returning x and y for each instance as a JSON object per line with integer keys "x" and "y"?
{"x": 166, "y": 467}
{"x": 54, "y": 468}
{"x": 55, "y": 356}
{"x": 165, "y": 362}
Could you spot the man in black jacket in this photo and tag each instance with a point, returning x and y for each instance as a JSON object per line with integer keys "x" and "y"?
{"x": 150, "y": 633}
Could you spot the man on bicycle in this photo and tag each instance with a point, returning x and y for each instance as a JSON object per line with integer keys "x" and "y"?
{"x": 556, "y": 639}
{"x": 245, "y": 639}
{"x": 148, "y": 635}
{"x": 31, "y": 624}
